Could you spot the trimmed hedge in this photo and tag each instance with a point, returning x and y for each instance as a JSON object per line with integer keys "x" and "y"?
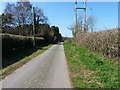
{"x": 102, "y": 41}
{"x": 11, "y": 43}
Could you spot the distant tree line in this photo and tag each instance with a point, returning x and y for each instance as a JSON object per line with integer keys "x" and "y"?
{"x": 17, "y": 19}
{"x": 50, "y": 34}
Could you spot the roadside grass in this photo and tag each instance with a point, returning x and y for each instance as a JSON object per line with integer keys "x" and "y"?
{"x": 8, "y": 70}
{"x": 90, "y": 70}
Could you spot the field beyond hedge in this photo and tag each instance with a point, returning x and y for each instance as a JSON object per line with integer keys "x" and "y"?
{"x": 90, "y": 70}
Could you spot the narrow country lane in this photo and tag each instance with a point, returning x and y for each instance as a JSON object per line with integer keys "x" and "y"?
{"x": 48, "y": 70}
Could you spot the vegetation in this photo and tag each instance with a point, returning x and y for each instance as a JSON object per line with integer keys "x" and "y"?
{"x": 18, "y": 36}
{"x": 17, "y": 19}
{"x": 8, "y": 70}
{"x": 90, "y": 70}
{"x": 81, "y": 28}
{"x": 50, "y": 34}
{"x": 20, "y": 14}
{"x": 105, "y": 42}
{"x": 17, "y": 43}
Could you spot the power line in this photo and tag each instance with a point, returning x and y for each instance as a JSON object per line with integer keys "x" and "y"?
{"x": 98, "y": 18}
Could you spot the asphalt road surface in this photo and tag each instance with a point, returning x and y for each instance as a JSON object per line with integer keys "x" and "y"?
{"x": 48, "y": 70}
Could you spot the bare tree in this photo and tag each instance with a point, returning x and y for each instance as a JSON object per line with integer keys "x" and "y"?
{"x": 90, "y": 23}
{"x": 40, "y": 17}
{"x": 21, "y": 12}
{"x": 80, "y": 24}
{"x": 79, "y": 28}
{"x": 71, "y": 28}
{"x": 8, "y": 14}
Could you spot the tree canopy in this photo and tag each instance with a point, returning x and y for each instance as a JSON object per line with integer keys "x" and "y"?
{"x": 17, "y": 19}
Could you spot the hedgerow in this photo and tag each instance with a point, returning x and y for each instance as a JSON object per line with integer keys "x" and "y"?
{"x": 105, "y": 42}
{"x": 12, "y": 43}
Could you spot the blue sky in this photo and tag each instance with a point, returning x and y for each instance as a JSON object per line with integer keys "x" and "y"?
{"x": 61, "y": 14}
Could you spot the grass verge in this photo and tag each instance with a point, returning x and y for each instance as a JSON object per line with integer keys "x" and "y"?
{"x": 90, "y": 70}
{"x": 8, "y": 70}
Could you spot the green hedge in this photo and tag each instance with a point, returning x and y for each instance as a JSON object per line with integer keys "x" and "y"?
{"x": 11, "y": 43}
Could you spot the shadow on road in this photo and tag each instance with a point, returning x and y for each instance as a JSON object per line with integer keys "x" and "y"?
{"x": 18, "y": 55}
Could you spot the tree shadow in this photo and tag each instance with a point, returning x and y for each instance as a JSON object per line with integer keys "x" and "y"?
{"x": 18, "y": 55}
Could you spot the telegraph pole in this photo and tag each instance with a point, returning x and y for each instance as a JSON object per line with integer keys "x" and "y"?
{"x": 33, "y": 15}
